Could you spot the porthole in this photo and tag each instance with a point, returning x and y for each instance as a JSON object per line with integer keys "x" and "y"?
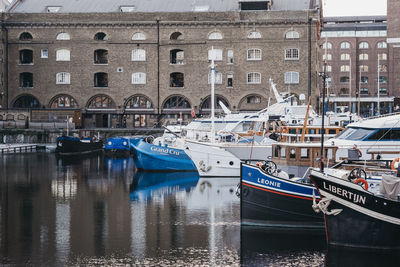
{"x": 231, "y": 163}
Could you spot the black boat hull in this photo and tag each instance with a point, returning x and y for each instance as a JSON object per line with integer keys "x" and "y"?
{"x": 75, "y": 146}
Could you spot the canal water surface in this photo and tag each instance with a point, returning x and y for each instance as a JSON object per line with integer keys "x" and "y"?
{"x": 100, "y": 211}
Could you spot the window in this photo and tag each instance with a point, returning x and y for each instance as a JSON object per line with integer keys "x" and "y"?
{"x": 138, "y": 36}
{"x": 363, "y": 45}
{"x": 204, "y": 8}
{"x": 127, "y": 8}
{"x": 383, "y": 91}
{"x": 363, "y": 68}
{"x": 26, "y": 101}
{"x": 63, "y": 101}
{"x": 254, "y": 35}
{"x": 176, "y": 102}
{"x": 176, "y": 56}
{"x": 292, "y": 54}
{"x": 139, "y": 102}
{"x": 25, "y": 79}
{"x": 254, "y": 5}
{"x": 176, "y": 79}
{"x": 364, "y": 91}
{"x": 363, "y": 56}
{"x": 254, "y": 54}
{"x": 364, "y": 79}
{"x": 218, "y": 78}
{"x": 100, "y": 79}
{"x": 229, "y": 56}
{"x": 100, "y": 36}
{"x": 217, "y": 54}
{"x": 215, "y": 36}
{"x": 139, "y": 55}
{"x": 63, "y": 36}
{"x": 253, "y": 78}
{"x": 63, "y": 55}
{"x": 229, "y": 80}
{"x": 291, "y": 77}
{"x": 100, "y": 56}
{"x": 345, "y": 57}
{"x": 44, "y": 53}
{"x": 63, "y": 78}
{"x": 176, "y": 36}
{"x": 292, "y": 35}
{"x": 52, "y": 9}
{"x": 382, "y": 79}
{"x": 345, "y": 68}
{"x": 344, "y": 79}
{"x": 253, "y": 99}
{"x": 344, "y": 91}
{"x": 26, "y": 56}
{"x": 327, "y": 45}
{"x": 327, "y": 57}
{"x": 101, "y": 101}
{"x": 382, "y": 68}
{"x": 25, "y": 36}
{"x": 139, "y": 78}
{"x": 382, "y": 56}
{"x": 381, "y": 45}
{"x": 328, "y": 68}
{"x": 345, "y": 45}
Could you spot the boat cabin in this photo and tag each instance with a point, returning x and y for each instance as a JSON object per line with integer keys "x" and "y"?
{"x": 293, "y": 133}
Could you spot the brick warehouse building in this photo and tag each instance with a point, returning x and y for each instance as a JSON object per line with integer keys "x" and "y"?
{"x": 131, "y": 63}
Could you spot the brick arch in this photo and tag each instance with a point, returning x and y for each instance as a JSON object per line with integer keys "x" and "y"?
{"x": 63, "y": 101}
{"x": 205, "y": 104}
{"x": 138, "y": 101}
{"x": 250, "y": 102}
{"x": 100, "y": 101}
{"x": 25, "y": 101}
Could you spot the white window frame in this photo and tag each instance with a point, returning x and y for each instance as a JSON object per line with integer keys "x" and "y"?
{"x": 381, "y": 45}
{"x": 218, "y": 77}
{"x": 254, "y": 35}
{"x": 292, "y": 77}
{"x": 327, "y": 45}
{"x": 229, "y": 76}
{"x": 345, "y": 45}
{"x": 63, "y": 78}
{"x": 53, "y": 9}
{"x": 292, "y": 35}
{"x": 382, "y": 56}
{"x": 139, "y": 55}
{"x": 364, "y": 68}
{"x": 127, "y": 9}
{"x": 229, "y": 56}
{"x": 63, "y": 55}
{"x": 363, "y": 56}
{"x": 345, "y": 56}
{"x": 215, "y": 35}
{"x": 218, "y": 54}
{"x": 138, "y": 78}
{"x": 363, "y": 45}
{"x": 292, "y": 54}
{"x": 254, "y": 54}
{"x": 345, "y": 68}
{"x": 63, "y": 36}
{"x": 138, "y": 36}
{"x": 327, "y": 57}
{"x": 44, "y": 53}
{"x": 253, "y": 78}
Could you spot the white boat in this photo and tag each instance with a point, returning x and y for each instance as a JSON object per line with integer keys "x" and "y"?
{"x": 376, "y": 138}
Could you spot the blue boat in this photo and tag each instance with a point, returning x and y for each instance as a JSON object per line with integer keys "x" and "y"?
{"x": 118, "y": 146}
{"x": 149, "y": 157}
{"x": 145, "y": 185}
{"x": 270, "y": 199}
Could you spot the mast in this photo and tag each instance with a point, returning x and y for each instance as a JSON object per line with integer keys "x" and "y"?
{"x": 323, "y": 74}
{"x": 350, "y": 108}
{"x": 379, "y": 93}
{"x": 212, "y": 95}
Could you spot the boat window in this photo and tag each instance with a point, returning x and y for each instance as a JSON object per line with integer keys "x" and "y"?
{"x": 386, "y": 134}
{"x": 283, "y": 152}
{"x": 332, "y": 131}
{"x": 355, "y": 134}
{"x": 312, "y": 131}
{"x": 276, "y": 152}
{"x": 305, "y": 153}
{"x": 292, "y": 153}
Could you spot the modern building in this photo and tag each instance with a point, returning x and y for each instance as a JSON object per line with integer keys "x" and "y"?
{"x": 393, "y": 40}
{"x": 357, "y": 64}
{"x": 135, "y": 63}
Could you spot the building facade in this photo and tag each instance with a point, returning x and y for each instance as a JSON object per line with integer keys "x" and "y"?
{"x": 118, "y": 65}
{"x": 357, "y": 63}
{"x": 393, "y": 40}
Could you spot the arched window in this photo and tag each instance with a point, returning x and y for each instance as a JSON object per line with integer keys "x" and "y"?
{"x": 63, "y": 36}
{"x": 363, "y": 56}
{"x": 254, "y": 54}
{"x": 345, "y": 45}
{"x": 176, "y": 79}
{"x": 291, "y": 77}
{"x": 138, "y": 102}
{"x": 381, "y": 45}
{"x": 253, "y": 99}
{"x": 254, "y": 35}
{"x": 63, "y": 101}
{"x": 63, "y": 78}
{"x": 63, "y": 55}
{"x": 100, "y": 79}
{"x": 206, "y": 104}
{"x": 26, "y": 79}
{"x": 292, "y": 35}
{"x": 176, "y": 56}
{"x": 138, "y": 55}
{"x": 25, "y": 36}
{"x": 176, "y": 102}
{"x": 215, "y": 36}
{"x": 139, "y": 78}
{"x": 101, "y": 101}
{"x": 363, "y": 45}
{"x": 100, "y": 56}
{"x": 26, "y": 56}
{"x": 176, "y": 36}
{"x": 345, "y": 57}
{"x": 327, "y": 45}
{"x": 138, "y": 36}
{"x": 100, "y": 36}
{"x": 26, "y": 101}
{"x": 253, "y": 78}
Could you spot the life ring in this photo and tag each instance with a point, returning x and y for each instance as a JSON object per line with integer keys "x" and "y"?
{"x": 361, "y": 180}
{"x": 259, "y": 164}
{"x": 392, "y": 166}
{"x": 284, "y": 129}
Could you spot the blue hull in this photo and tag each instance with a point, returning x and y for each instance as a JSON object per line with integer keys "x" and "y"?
{"x": 149, "y": 157}
{"x": 118, "y": 146}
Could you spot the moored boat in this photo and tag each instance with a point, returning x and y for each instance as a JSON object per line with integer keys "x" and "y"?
{"x": 67, "y": 145}
{"x": 118, "y": 146}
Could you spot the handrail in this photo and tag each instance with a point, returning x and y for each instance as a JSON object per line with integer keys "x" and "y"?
{"x": 382, "y": 116}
